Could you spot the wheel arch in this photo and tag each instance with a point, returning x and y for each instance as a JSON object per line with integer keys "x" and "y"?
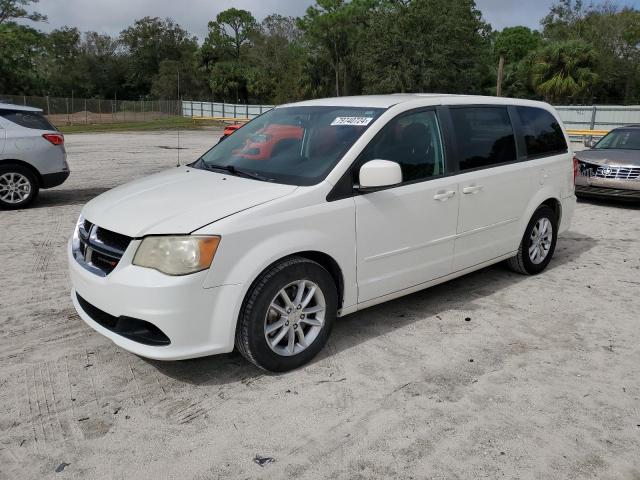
{"x": 329, "y": 263}
{"x": 555, "y": 205}
{"x": 324, "y": 259}
{"x": 26, "y": 165}
{"x": 545, "y": 196}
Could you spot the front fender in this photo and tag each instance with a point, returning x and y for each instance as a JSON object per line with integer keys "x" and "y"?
{"x": 258, "y": 241}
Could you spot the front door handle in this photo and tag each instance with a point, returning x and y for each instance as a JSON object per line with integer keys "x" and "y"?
{"x": 471, "y": 189}
{"x": 442, "y": 196}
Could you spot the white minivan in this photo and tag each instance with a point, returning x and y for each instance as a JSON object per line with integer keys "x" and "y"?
{"x": 315, "y": 210}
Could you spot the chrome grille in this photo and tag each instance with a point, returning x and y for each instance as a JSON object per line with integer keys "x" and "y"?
{"x": 618, "y": 173}
{"x": 97, "y": 249}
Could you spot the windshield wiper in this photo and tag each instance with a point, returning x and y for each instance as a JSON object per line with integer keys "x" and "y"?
{"x": 238, "y": 172}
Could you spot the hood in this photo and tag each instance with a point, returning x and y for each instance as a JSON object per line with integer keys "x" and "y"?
{"x": 613, "y": 157}
{"x": 178, "y": 201}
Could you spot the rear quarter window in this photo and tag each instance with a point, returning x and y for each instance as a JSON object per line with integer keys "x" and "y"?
{"x": 542, "y": 132}
{"x": 34, "y": 120}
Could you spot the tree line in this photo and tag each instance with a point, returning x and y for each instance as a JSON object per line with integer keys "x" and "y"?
{"x": 582, "y": 53}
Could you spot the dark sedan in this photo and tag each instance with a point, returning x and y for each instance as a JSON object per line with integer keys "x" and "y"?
{"x": 612, "y": 167}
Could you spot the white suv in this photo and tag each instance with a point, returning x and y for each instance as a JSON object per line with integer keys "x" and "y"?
{"x": 32, "y": 155}
{"x": 316, "y": 210}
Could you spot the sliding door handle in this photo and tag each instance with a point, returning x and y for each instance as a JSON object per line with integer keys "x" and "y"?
{"x": 442, "y": 196}
{"x": 471, "y": 189}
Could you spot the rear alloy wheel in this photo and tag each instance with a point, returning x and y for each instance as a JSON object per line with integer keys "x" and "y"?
{"x": 538, "y": 243}
{"x": 18, "y": 187}
{"x": 288, "y": 315}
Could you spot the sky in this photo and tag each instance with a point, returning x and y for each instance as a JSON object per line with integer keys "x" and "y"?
{"x": 113, "y": 16}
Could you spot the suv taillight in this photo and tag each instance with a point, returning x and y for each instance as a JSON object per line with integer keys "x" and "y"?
{"x": 575, "y": 169}
{"x": 54, "y": 138}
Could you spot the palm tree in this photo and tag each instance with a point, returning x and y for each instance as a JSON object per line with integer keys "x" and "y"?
{"x": 564, "y": 70}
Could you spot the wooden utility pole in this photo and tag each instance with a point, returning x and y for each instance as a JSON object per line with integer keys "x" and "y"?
{"x": 500, "y": 76}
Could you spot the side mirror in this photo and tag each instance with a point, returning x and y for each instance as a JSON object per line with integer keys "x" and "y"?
{"x": 376, "y": 174}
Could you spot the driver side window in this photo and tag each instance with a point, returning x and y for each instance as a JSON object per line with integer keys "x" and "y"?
{"x": 413, "y": 141}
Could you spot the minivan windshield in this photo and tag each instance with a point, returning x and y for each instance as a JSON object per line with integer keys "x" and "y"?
{"x": 291, "y": 145}
{"x": 622, "y": 139}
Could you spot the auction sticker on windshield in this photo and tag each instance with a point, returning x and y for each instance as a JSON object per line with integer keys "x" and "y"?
{"x": 354, "y": 121}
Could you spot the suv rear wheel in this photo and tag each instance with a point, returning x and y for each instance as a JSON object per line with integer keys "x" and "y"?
{"x": 538, "y": 243}
{"x": 288, "y": 315}
{"x": 18, "y": 187}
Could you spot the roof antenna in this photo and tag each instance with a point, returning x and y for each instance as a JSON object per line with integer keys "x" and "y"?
{"x": 180, "y": 111}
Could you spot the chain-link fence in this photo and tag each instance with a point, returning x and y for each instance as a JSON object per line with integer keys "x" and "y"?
{"x": 74, "y": 111}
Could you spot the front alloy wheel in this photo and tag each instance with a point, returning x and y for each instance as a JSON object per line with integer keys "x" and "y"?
{"x": 287, "y": 315}
{"x": 295, "y": 318}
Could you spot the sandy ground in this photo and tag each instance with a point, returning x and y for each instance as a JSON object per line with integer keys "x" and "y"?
{"x": 542, "y": 381}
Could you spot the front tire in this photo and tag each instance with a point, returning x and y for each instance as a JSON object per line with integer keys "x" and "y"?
{"x": 288, "y": 315}
{"x": 538, "y": 243}
{"x": 18, "y": 187}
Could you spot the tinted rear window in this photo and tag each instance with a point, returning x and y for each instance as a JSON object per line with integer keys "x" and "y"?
{"x": 484, "y": 136}
{"x": 33, "y": 120}
{"x": 542, "y": 132}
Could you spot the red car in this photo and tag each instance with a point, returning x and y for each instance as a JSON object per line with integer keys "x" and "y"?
{"x": 228, "y": 130}
{"x": 270, "y": 141}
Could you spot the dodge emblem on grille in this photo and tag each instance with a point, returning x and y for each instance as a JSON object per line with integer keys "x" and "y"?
{"x": 607, "y": 170}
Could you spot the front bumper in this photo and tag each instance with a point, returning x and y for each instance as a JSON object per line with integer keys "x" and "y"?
{"x": 198, "y": 321}
{"x": 606, "y": 187}
{"x": 604, "y": 192}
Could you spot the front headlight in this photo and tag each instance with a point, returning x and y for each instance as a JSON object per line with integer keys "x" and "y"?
{"x": 75, "y": 239}
{"x": 587, "y": 169}
{"x": 177, "y": 255}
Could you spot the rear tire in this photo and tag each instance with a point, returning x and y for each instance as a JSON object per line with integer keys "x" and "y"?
{"x": 538, "y": 243}
{"x": 287, "y": 315}
{"x": 18, "y": 187}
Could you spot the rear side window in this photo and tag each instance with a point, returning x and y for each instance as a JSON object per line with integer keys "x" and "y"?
{"x": 542, "y": 132}
{"x": 484, "y": 136}
{"x": 33, "y": 120}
